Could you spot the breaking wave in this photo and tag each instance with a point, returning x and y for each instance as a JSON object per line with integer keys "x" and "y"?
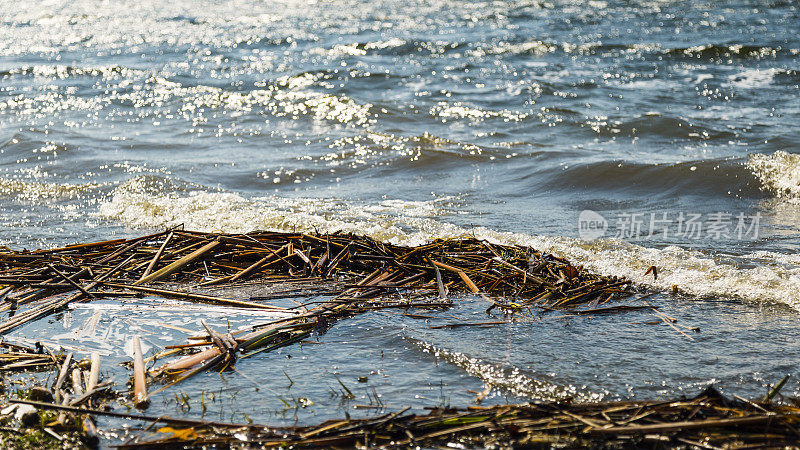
{"x": 779, "y": 173}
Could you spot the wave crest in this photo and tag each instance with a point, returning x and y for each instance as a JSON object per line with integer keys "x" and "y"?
{"x": 779, "y": 173}
{"x": 148, "y": 202}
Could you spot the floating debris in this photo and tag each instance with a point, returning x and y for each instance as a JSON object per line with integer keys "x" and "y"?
{"x": 363, "y": 268}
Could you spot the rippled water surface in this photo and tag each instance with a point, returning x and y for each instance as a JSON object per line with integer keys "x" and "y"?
{"x": 409, "y": 121}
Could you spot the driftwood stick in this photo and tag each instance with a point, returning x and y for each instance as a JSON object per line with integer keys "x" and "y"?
{"x": 69, "y": 280}
{"x": 140, "y": 398}
{"x": 201, "y": 297}
{"x": 94, "y": 372}
{"x": 62, "y": 374}
{"x": 177, "y": 265}
{"x": 144, "y": 418}
{"x": 467, "y": 281}
{"x": 256, "y": 265}
{"x": 5, "y": 291}
{"x": 686, "y": 425}
{"x": 155, "y": 259}
{"x": 77, "y": 381}
{"x": 91, "y": 392}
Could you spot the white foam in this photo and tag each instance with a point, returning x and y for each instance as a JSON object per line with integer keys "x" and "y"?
{"x": 34, "y": 190}
{"x": 137, "y": 203}
{"x": 775, "y": 280}
{"x": 753, "y": 78}
{"x": 461, "y": 111}
{"x": 779, "y": 173}
{"x": 390, "y": 43}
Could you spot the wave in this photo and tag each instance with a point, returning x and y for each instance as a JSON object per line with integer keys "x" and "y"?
{"x": 287, "y": 97}
{"x": 774, "y": 279}
{"x": 399, "y": 152}
{"x": 755, "y": 78}
{"x": 61, "y": 71}
{"x": 739, "y": 51}
{"x": 779, "y": 173}
{"x": 523, "y": 47}
{"x": 655, "y": 124}
{"x": 27, "y": 190}
{"x": 145, "y": 202}
{"x": 460, "y": 110}
{"x": 389, "y": 47}
{"x": 507, "y": 377}
{"x": 722, "y": 177}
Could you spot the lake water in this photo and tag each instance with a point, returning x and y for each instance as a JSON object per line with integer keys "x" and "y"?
{"x": 674, "y": 123}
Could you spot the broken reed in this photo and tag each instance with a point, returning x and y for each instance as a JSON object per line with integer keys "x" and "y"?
{"x": 358, "y": 273}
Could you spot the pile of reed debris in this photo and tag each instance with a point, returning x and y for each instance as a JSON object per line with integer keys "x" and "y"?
{"x": 344, "y": 274}
{"x": 367, "y": 269}
{"x": 706, "y": 421}
{"x": 709, "y": 421}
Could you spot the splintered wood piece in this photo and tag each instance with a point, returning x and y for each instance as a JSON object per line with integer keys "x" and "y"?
{"x": 140, "y": 398}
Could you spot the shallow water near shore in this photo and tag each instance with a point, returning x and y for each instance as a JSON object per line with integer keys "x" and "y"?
{"x": 414, "y": 121}
{"x": 390, "y": 361}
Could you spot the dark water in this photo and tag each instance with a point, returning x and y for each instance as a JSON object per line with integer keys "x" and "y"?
{"x": 414, "y": 120}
